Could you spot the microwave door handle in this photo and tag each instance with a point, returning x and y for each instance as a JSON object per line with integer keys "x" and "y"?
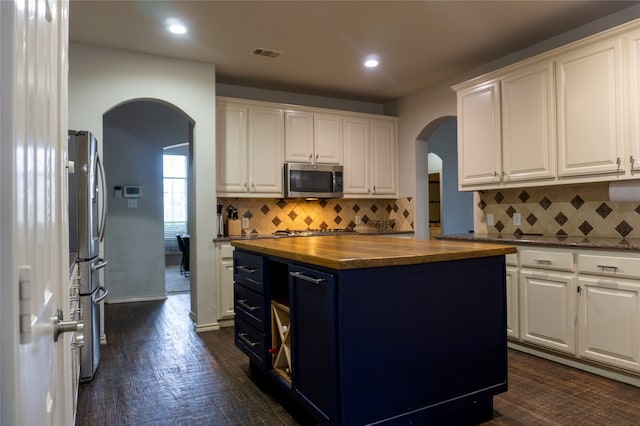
{"x": 103, "y": 196}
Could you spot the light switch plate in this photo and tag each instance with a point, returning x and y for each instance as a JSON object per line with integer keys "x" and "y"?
{"x": 245, "y": 222}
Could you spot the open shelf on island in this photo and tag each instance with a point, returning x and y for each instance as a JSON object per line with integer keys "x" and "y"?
{"x": 281, "y": 339}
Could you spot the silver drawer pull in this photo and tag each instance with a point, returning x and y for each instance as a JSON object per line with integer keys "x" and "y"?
{"x": 613, "y": 268}
{"x": 244, "y": 304}
{"x": 306, "y": 278}
{"x": 246, "y": 269}
{"x": 542, "y": 261}
{"x": 243, "y": 337}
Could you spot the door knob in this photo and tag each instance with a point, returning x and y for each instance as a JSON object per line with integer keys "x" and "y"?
{"x": 60, "y": 326}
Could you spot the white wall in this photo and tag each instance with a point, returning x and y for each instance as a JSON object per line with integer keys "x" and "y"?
{"x": 134, "y": 136}
{"x": 100, "y": 79}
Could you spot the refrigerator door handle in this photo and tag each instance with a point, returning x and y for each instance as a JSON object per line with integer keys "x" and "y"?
{"x": 101, "y": 263}
{"x": 103, "y": 196}
{"x": 100, "y": 298}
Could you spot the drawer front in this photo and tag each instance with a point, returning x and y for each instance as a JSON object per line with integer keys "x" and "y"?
{"x": 511, "y": 259}
{"x": 612, "y": 266}
{"x": 248, "y": 269}
{"x": 251, "y": 306}
{"x": 560, "y": 261}
{"x": 252, "y": 342}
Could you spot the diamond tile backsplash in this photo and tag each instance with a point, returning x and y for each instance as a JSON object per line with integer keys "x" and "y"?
{"x": 269, "y": 215}
{"x": 567, "y": 210}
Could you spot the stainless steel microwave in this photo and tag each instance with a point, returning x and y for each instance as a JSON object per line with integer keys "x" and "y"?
{"x": 303, "y": 180}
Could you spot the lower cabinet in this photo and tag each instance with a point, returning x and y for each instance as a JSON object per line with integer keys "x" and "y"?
{"x": 609, "y": 321}
{"x": 583, "y": 303}
{"x": 314, "y": 334}
{"x": 547, "y": 309}
{"x": 224, "y": 256}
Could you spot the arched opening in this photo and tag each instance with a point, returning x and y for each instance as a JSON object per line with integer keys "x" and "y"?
{"x": 456, "y": 208}
{"x": 135, "y": 134}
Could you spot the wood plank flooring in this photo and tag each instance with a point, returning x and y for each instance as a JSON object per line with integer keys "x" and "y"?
{"x": 155, "y": 370}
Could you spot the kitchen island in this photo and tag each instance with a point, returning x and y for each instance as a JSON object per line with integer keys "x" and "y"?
{"x": 362, "y": 329}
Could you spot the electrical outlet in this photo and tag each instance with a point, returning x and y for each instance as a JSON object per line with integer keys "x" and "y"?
{"x": 245, "y": 222}
{"x": 358, "y": 220}
{"x": 517, "y": 219}
{"x": 490, "y": 219}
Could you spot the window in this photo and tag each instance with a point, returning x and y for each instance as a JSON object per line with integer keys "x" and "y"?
{"x": 174, "y": 171}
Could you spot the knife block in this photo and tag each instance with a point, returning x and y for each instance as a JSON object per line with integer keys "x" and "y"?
{"x": 234, "y": 227}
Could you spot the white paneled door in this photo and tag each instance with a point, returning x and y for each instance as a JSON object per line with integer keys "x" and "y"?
{"x": 36, "y": 384}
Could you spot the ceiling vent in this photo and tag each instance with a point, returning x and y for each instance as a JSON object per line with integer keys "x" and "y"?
{"x": 259, "y": 51}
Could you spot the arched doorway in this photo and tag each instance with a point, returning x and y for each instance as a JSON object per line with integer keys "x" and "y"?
{"x": 440, "y": 138}
{"x": 135, "y": 133}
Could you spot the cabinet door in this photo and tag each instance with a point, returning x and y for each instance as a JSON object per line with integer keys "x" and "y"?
{"x": 634, "y": 97}
{"x": 547, "y": 313}
{"x": 383, "y": 166}
{"x": 609, "y": 321}
{"x": 298, "y": 136}
{"x": 479, "y": 146}
{"x": 266, "y": 146}
{"x": 231, "y": 147}
{"x": 528, "y": 123}
{"x": 356, "y": 154}
{"x": 589, "y": 100}
{"x": 225, "y": 281}
{"x": 513, "y": 325}
{"x": 313, "y": 352}
{"x": 327, "y": 130}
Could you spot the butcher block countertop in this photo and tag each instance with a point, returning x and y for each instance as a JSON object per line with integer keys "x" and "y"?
{"x": 356, "y": 252}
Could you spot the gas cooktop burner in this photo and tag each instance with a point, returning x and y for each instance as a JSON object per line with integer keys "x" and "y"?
{"x": 308, "y": 232}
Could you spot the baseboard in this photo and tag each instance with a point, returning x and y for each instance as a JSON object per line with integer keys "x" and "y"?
{"x": 577, "y": 363}
{"x": 136, "y": 299}
{"x": 206, "y": 327}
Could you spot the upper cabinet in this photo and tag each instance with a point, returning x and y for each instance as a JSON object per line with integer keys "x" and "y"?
{"x": 556, "y": 118}
{"x": 313, "y": 137}
{"x": 254, "y": 139}
{"x": 479, "y": 143}
{"x": 370, "y": 158}
{"x": 589, "y": 84}
{"x": 249, "y": 149}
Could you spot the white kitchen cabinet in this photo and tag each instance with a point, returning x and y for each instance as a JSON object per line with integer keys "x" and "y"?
{"x": 224, "y": 255}
{"x": 479, "y": 139}
{"x": 370, "y": 157}
{"x": 633, "y": 43}
{"x": 547, "y": 299}
{"x": 249, "y": 149}
{"x": 589, "y": 82}
{"x": 609, "y": 309}
{"x": 513, "y": 323}
{"x": 528, "y": 123}
{"x": 313, "y": 137}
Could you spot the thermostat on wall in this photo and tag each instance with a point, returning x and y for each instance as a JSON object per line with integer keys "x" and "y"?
{"x": 132, "y": 191}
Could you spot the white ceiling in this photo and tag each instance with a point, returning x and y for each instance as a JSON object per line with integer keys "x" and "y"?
{"x": 419, "y": 43}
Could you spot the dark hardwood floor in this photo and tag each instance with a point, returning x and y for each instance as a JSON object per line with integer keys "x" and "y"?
{"x": 155, "y": 370}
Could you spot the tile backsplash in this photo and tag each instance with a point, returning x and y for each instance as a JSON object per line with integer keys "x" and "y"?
{"x": 567, "y": 210}
{"x": 269, "y": 215}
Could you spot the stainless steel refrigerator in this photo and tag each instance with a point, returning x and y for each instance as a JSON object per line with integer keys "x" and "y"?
{"x": 87, "y": 217}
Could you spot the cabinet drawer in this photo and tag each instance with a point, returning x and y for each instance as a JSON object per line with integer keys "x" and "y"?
{"x": 252, "y": 342}
{"x": 511, "y": 259}
{"x": 251, "y": 306}
{"x": 248, "y": 269}
{"x": 613, "y": 266}
{"x": 226, "y": 252}
{"x": 543, "y": 259}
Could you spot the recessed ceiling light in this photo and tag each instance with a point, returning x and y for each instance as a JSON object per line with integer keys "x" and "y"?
{"x": 175, "y": 26}
{"x": 371, "y": 63}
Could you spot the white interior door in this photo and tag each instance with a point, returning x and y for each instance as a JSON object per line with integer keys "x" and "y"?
{"x": 33, "y": 241}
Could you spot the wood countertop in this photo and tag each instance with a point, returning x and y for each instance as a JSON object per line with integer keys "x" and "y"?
{"x": 356, "y": 252}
